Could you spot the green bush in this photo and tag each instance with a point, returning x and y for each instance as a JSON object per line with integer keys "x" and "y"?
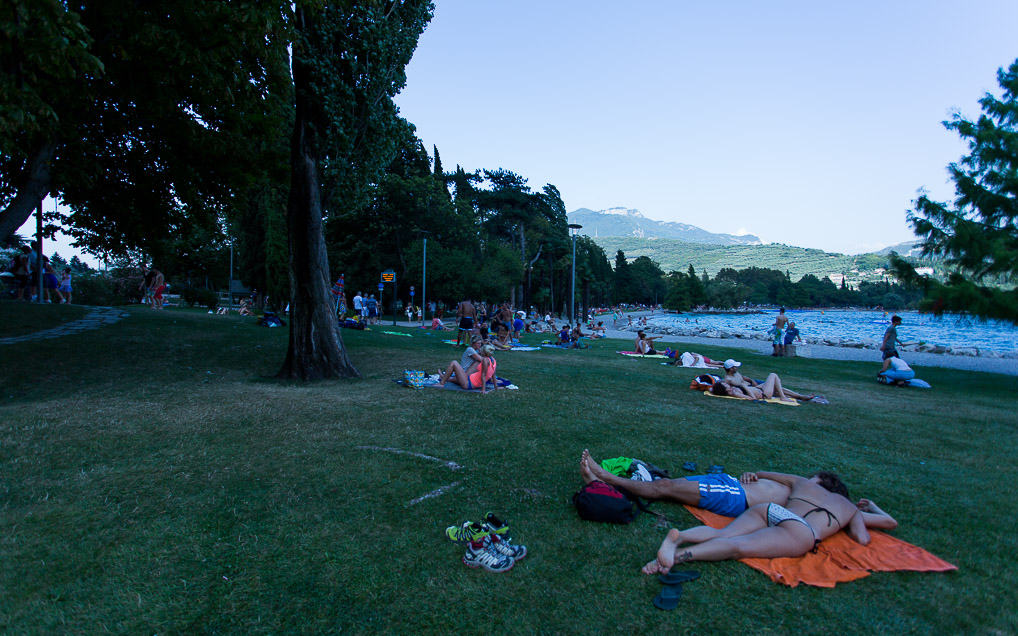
{"x": 201, "y": 297}
{"x": 95, "y": 289}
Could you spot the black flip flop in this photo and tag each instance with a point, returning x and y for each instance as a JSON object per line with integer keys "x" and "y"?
{"x": 681, "y": 576}
{"x": 668, "y": 598}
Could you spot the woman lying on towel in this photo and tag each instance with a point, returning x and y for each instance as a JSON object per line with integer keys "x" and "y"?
{"x": 691, "y": 359}
{"x": 477, "y": 375}
{"x": 771, "y": 387}
{"x": 817, "y": 508}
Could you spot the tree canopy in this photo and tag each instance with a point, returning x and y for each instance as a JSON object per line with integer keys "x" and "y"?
{"x": 976, "y": 233}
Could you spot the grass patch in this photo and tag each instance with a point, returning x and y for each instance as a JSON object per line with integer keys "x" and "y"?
{"x": 154, "y": 477}
{"x": 22, "y": 318}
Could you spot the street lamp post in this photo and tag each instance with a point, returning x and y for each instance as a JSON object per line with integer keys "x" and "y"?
{"x": 572, "y": 286}
{"x": 424, "y": 283}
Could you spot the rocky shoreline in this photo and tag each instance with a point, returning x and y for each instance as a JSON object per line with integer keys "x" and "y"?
{"x": 706, "y": 332}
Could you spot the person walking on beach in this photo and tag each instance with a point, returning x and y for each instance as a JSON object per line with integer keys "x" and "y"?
{"x": 889, "y": 346}
{"x": 791, "y": 335}
{"x": 778, "y": 330}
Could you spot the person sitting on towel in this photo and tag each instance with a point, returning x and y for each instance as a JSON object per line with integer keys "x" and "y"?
{"x": 564, "y": 335}
{"x": 476, "y": 376}
{"x": 817, "y": 507}
{"x": 645, "y": 344}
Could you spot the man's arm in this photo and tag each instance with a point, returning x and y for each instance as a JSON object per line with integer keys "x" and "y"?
{"x": 781, "y": 478}
{"x": 856, "y": 529}
{"x": 874, "y": 517}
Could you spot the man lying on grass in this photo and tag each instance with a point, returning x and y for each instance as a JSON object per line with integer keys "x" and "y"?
{"x": 816, "y": 508}
{"x": 719, "y": 493}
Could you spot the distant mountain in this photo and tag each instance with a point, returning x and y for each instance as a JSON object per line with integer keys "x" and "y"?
{"x": 908, "y": 248}
{"x": 625, "y": 222}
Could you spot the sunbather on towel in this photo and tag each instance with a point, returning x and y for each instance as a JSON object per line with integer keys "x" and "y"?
{"x": 817, "y": 508}
{"x": 645, "y": 344}
{"x": 477, "y": 376}
{"x": 769, "y": 388}
{"x": 719, "y": 493}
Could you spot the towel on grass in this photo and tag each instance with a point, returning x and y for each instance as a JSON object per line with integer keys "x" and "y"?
{"x": 839, "y": 558}
{"x": 768, "y": 400}
{"x": 398, "y": 333}
{"x": 431, "y": 381}
{"x": 637, "y": 354}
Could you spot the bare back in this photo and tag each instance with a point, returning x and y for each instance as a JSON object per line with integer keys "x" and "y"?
{"x": 781, "y": 321}
{"x": 825, "y": 511}
{"x": 765, "y": 491}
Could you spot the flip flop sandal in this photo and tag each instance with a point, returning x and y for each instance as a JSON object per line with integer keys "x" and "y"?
{"x": 681, "y": 576}
{"x": 668, "y": 598}
{"x": 690, "y": 466}
{"x": 715, "y": 469}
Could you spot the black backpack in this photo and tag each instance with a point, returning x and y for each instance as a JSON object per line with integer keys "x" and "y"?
{"x": 598, "y": 501}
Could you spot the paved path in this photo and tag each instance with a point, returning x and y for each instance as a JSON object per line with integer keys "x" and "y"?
{"x": 97, "y": 317}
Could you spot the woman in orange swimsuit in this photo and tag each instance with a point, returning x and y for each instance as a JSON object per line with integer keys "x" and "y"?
{"x": 484, "y": 369}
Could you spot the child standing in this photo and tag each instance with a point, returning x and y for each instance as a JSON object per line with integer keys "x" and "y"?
{"x": 65, "y": 285}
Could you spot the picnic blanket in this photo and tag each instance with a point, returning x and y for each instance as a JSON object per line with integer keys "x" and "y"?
{"x": 772, "y": 400}
{"x": 839, "y": 558}
{"x": 431, "y": 381}
{"x": 637, "y": 354}
{"x": 398, "y": 333}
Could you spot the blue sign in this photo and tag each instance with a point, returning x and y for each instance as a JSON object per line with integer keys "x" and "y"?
{"x": 411, "y": 293}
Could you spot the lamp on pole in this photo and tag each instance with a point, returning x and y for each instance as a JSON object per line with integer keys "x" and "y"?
{"x": 424, "y": 276}
{"x": 572, "y": 286}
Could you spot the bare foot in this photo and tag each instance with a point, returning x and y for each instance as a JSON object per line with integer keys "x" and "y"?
{"x": 585, "y": 472}
{"x": 665, "y": 554}
{"x": 593, "y": 466}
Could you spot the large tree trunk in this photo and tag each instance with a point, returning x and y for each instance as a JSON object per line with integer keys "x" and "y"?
{"x": 31, "y": 193}
{"x": 316, "y": 346}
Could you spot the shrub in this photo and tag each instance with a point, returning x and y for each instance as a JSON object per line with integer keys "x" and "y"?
{"x": 201, "y": 297}
{"x": 95, "y": 289}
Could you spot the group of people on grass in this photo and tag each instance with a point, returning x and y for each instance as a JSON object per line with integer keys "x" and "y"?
{"x": 776, "y": 514}
{"x": 475, "y": 368}
{"x": 735, "y": 385}
{"x": 153, "y": 286}
{"x": 26, "y": 273}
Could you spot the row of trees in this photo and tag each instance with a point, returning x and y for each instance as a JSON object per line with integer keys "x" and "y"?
{"x": 760, "y": 286}
{"x": 170, "y": 130}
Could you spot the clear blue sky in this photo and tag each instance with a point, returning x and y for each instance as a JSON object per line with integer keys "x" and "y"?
{"x": 807, "y": 123}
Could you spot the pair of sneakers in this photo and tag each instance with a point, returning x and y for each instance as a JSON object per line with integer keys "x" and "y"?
{"x": 488, "y": 544}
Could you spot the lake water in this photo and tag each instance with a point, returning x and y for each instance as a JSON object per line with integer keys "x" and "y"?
{"x": 860, "y": 326}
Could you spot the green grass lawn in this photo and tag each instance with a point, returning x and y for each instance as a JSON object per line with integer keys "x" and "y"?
{"x": 22, "y": 318}
{"x": 155, "y": 478}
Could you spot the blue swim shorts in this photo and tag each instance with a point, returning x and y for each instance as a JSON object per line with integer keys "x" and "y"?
{"x": 721, "y": 494}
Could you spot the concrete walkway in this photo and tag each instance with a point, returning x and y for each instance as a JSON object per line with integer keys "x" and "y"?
{"x": 97, "y": 317}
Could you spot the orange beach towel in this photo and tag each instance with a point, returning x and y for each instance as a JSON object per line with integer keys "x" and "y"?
{"x": 839, "y": 558}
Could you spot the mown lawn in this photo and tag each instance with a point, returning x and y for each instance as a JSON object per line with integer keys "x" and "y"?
{"x": 155, "y": 478}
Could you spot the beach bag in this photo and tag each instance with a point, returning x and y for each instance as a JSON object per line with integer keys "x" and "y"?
{"x": 598, "y": 501}
{"x": 703, "y": 382}
{"x": 413, "y": 379}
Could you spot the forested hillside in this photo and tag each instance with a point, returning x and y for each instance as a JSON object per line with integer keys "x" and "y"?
{"x": 671, "y": 255}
